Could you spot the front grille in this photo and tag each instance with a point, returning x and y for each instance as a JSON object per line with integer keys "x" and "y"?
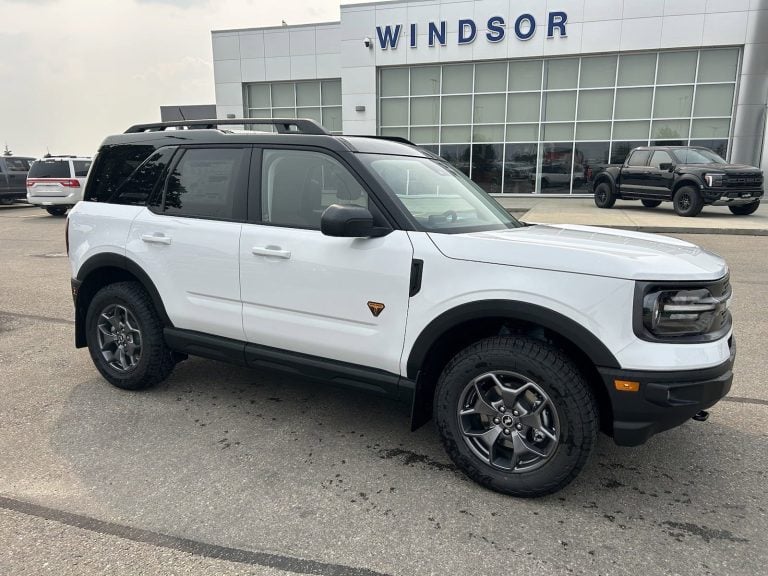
{"x": 748, "y": 180}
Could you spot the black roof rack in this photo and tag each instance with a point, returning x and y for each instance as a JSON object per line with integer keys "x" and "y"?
{"x": 390, "y": 138}
{"x": 282, "y": 125}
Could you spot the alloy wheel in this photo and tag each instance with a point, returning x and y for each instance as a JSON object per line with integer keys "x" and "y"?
{"x": 119, "y": 338}
{"x": 508, "y": 421}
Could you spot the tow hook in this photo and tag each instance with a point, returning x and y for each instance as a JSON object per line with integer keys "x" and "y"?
{"x": 701, "y": 416}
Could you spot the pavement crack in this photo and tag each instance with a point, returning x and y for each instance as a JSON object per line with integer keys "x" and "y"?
{"x": 236, "y": 555}
{"x": 37, "y": 317}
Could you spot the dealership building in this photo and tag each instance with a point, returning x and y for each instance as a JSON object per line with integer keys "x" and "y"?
{"x": 525, "y": 96}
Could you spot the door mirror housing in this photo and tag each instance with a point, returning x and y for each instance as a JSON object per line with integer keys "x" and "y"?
{"x": 350, "y": 221}
{"x": 668, "y": 166}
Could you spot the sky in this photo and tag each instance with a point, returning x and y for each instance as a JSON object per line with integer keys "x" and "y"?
{"x": 74, "y": 71}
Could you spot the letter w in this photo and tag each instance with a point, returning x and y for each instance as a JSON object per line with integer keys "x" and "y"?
{"x": 390, "y": 37}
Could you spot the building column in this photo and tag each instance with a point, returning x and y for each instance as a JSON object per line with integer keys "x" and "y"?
{"x": 749, "y": 133}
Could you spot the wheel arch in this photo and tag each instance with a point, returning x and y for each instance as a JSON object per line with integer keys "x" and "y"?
{"x": 459, "y": 327}
{"x": 605, "y": 177}
{"x": 687, "y": 180}
{"x": 101, "y": 270}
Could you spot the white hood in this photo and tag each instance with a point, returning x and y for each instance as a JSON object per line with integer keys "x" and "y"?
{"x": 586, "y": 250}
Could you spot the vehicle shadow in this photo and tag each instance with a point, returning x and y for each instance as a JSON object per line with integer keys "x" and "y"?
{"x": 239, "y": 458}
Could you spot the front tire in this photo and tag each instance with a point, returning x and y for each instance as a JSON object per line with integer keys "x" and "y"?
{"x": 604, "y": 196}
{"x": 651, "y": 203}
{"x": 516, "y": 415}
{"x": 125, "y": 337}
{"x": 745, "y": 209}
{"x": 687, "y": 202}
{"x": 56, "y": 210}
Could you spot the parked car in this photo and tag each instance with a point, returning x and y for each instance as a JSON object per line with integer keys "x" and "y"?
{"x": 13, "y": 177}
{"x": 305, "y": 252}
{"x": 690, "y": 177}
{"x": 56, "y": 183}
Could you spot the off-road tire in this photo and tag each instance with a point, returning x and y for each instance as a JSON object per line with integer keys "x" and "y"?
{"x": 651, "y": 203}
{"x": 567, "y": 389}
{"x": 745, "y": 209}
{"x": 156, "y": 361}
{"x": 687, "y": 202}
{"x": 56, "y": 210}
{"x": 604, "y": 196}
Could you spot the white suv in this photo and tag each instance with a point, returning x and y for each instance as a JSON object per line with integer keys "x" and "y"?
{"x": 56, "y": 183}
{"x": 375, "y": 264}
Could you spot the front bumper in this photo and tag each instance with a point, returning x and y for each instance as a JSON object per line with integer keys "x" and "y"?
{"x": 664, "y": 399}
{"x": 731, "y": 196}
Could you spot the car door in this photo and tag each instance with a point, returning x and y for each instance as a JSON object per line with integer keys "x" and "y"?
{"x": 634, "y": 173}
{"x": 343, "y": 299}
{"x": 188, "y": 243}
{"x": 660, "y": 176}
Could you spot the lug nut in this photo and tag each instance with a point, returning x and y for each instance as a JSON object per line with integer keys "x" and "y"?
{"x": 502, "y": 409}
{"x": 506, "y": 431}
{"x": 496, "y": 421}
{"x": 515, "y": 413}
{"x": 519, "y": 426}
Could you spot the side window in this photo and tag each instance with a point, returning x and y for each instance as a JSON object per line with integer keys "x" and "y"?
{"x": 114, "y": 164}
{"x": 81, "y": 168}
{"x": 204, "y": 183}
{"x": 145, "y": 179}
{"x": 639, "y": 158}
{"x": 661, "y": 160}
{"x": 296, "y": 186}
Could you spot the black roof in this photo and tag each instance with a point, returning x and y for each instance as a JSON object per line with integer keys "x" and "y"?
{"x": 296, "y": 131}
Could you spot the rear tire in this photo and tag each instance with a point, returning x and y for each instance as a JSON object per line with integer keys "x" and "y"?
{"x": 125, "y": 337}
{"x": 516, "y": 415}
{"x": 604, "y": 196}
{"x": 687, "y": 202}
{"x": 651, "y": 203}
{"x": 745, "y": 209}
{"x": 56, "y": 210}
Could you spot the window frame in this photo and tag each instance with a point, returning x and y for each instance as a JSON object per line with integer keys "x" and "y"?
{"x": 382, "y": 215}
{"x": 240, "y": 202}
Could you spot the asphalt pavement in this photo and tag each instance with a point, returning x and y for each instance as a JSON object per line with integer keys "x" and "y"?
{"x": 224, "y": 470}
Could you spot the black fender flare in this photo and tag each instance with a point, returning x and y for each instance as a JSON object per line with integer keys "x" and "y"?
{"x": 605, "y": 177}
{"x": 688, "y": 180}
{"x": 120, "y": 262}
{"x": 512, "y": 310}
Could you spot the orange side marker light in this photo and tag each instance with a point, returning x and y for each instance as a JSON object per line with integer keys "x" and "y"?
{"x": 626, "y": 386}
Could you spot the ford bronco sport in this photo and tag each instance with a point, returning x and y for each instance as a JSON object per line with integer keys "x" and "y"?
{"x": 375, "y": 264}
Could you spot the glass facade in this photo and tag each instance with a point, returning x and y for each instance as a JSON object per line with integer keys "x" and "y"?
{"x": 548, "y": 125}
{"x": 318, "y": 100}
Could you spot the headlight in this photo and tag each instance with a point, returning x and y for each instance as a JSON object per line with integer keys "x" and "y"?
{"x": 714, "y": 180}
{"x": 689, "y": 314}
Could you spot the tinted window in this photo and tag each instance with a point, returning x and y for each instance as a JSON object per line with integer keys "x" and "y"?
{"x": 204, "y": 184}
{"x": 699, "y": 156}
{"x": 639, "y": 158}
{"x": 661, "y": 157}
{"x": 297, "y": 186}
{"x": 139, "y": 187}
{"x": 50, "y": 169}
{"x": 17, "y": 164}
{"x": 81, "y": 168}
{"x": 112, "y": 167}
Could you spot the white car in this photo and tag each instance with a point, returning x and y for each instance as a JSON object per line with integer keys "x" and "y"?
{"x": 56, "y": 183}
{"x": 377, "y": 265}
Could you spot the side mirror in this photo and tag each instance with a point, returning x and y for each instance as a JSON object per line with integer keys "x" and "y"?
{"x": 668, "y": 166}
{"x": 349, "y": 221}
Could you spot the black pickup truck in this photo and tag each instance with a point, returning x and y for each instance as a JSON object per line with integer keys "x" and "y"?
{"x": 13, "y": 178}
{"x": 690, "y": 177}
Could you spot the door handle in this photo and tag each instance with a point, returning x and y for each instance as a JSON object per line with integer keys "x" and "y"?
{"x": 156, "y": 239}
{"x": 271, "y": 252}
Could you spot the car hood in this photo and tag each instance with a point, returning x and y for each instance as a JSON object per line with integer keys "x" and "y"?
{"x": 586, "y": 250}
{"x": 727, "y": 168}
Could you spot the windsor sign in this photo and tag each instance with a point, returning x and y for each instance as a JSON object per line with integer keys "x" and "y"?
{"x": 496, "y": 29}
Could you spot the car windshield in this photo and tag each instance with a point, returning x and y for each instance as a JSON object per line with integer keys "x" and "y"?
{"x": 698, "y": 156}
{"x": 438, "y": 196}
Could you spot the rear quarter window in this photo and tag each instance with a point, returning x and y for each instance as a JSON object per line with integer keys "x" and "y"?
{"x": 112, "y": 168}
{"x": 50, "y": 169}
{"x": 81, "y": 168}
